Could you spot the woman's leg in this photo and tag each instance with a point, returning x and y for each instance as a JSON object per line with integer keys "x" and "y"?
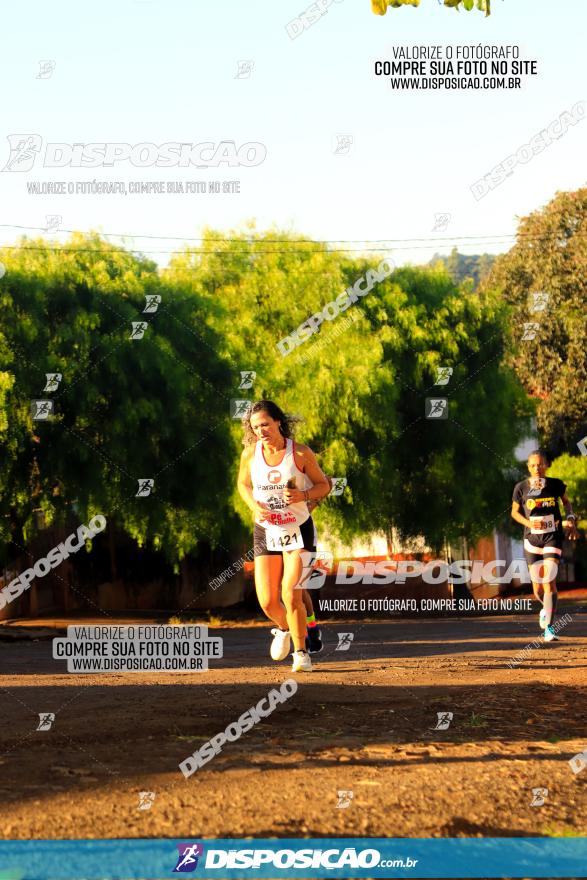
{"x": 268, "y": 572}
{"x": 550, "y": 591}
{"x": 538, "y": 591}
{"x": 543, "y": 575}
{"x": 535, "y": 567}
{"x": 293, "y": 598}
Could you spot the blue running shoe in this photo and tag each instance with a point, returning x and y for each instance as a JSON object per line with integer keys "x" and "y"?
{"x": 550, "y": 635}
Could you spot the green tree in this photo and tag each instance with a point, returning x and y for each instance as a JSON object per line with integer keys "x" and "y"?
{"x": 379, "y": 7}
{"x": 127, "y": 408}
{"x": 362, "y": 379}
{"x": 548, "y": 348}
{"x": 572, "y": 470}
{"x": 463, "y": 266}
{"x": 435, "y": 477}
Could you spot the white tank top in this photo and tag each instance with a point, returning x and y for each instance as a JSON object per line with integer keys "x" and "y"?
{"x": 269, "y": 481}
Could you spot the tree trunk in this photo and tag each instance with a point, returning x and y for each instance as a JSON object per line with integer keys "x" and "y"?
{"x": 112, "y": 550}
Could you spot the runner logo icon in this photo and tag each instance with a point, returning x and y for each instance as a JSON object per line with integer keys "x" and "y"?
{"x": 46, "y": 719}
{"x": 539, "y": 796}
{"x": 339, "y": 484}
{"x": 436, "y": 408}
{"x": 23, "y": 151}
{"x": 444, "y": 719}
{"x": 187, "y": 861}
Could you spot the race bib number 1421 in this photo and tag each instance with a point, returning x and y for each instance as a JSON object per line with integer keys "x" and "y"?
{"x": 284, "y": 539}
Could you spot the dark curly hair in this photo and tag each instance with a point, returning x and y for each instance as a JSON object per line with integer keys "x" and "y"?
{"x": 287, "y": 426}
{"x": 542, "y": 453}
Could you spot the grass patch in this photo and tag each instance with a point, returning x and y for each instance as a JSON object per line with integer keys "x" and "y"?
{"x": 553, "y": 831}
{"x": 207, "y": 619}
{"x": 476, "y": 721}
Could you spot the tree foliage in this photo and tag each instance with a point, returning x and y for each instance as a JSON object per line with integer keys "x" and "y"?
{"x": 126, "y": 409}
{"x": 548, "y": 347}
{"x": 362, "y": 380}
{"x": 462, "y": 266}
{"x": 379, "y": 7}
{"x": 159, "y": 407}
{"x": 572, "y": 470}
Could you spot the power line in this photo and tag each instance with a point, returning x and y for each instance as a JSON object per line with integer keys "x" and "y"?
{"x": 245, "y": 239}
{"x": 255, "y": 252}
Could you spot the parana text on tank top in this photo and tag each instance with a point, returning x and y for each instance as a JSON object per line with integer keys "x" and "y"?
{"x": 269, "y": 481}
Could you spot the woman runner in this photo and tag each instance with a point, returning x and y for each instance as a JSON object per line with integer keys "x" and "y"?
{"x": 535, "y": 506}
{"x": 283, "y": 527}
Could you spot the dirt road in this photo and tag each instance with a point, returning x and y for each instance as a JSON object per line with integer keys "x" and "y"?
{"x": 362, "y": 723}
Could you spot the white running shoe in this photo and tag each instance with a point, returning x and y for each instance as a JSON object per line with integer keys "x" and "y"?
{"x": 550, "y": 635}
{"x": 301, "y": 662}
{"x": 542, "y": 619}
{"x": 280, "y": 645}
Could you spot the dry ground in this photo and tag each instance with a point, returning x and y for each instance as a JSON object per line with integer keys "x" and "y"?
{"x": 361, "y": 722}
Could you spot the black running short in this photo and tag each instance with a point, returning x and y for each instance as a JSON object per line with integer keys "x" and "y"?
{"x": 307, "y": 531}
{"x": 539, "y": 554}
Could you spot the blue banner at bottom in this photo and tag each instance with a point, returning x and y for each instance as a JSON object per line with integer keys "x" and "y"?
{"x": 349, "y": 857}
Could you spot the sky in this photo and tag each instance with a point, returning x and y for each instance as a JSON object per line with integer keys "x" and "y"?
{"x": 146, "y": 71}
